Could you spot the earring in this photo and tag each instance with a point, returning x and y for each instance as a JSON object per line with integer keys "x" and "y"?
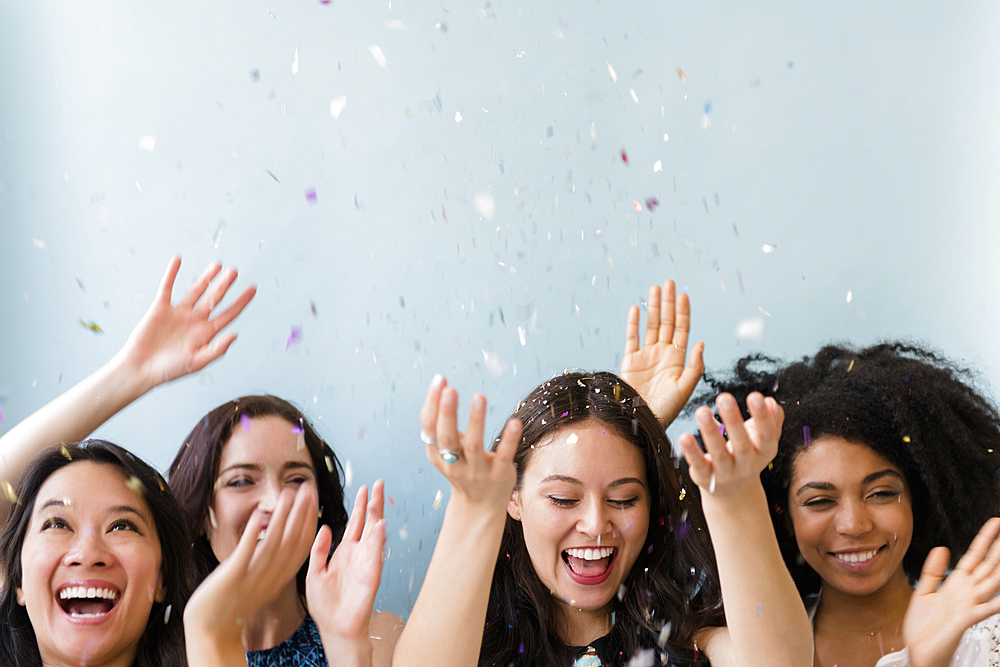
{"x": 20, "y": 596}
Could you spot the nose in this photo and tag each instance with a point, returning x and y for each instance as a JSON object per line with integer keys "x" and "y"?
{"x": 269, "y": 494}
{"x": 89, "y": 550}
{"x": 853, "y": 519}
{"x": 594, "y": 519}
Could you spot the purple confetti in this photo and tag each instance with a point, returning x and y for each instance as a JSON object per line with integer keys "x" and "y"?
{"x": 683, "y": 530}
{"x": 807, "y": 435}
{"x": 294, "y": 338}
{"x": 312, "y": 307}
{"x": 760, "y": 605}
{"x": 1, "y": 415}
{"x": 311, "y": 195}
{"x": 296, "y": 430}
{"x": 245, "y": 422}
{"x": 651, "y": 203}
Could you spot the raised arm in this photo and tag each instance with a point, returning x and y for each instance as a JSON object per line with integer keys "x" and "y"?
{"x": 657, "y": 370}
{"x": 249, "y": 579}
{"x": 766, "y": 622}
{"x": 446, "y": 625}
{"x": 169, "y": 342}
{"x": 341, "y": 590}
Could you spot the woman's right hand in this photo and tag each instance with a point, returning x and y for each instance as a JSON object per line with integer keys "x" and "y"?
{"x": 171, "y": 341}
{"x": 480, "y": 478}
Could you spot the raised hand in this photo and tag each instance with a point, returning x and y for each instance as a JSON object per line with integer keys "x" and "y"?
{"x": 249, "y": 579}
{"x": 657, "y": 370}
{"x": 939, "y": 613}
{"x": 481, "y": 478}
{"x": 341, "y": 591}
{"x": 728, "y": 467}
{"x": 171, "y": 341}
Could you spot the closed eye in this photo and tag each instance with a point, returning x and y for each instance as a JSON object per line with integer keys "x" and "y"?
{"x": 239, "y": 482}
{"x": 628, "y": 502}
{"x": 819, "y": 503}
{"x": 886, "y": 494}
{"x": 561, "y": 502}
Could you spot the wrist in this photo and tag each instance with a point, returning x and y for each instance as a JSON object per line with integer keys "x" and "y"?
{"x": 129, "y": 377}
{"x": 739, "y": 501}
{"x": 346, "y": 651}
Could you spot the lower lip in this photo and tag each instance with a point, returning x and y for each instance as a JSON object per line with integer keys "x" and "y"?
{"x": 592, "y": 581}
{"x": 860, "y": 567}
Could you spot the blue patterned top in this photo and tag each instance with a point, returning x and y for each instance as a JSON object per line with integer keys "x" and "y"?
{"x": 302, "y": 649}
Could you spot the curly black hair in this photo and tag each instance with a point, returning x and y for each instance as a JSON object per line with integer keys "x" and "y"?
{"x": 912, "y": 406}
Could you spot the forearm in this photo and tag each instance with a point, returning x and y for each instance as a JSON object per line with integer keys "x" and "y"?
{"x": 767, "y": 621}
{"x": 346, "y": 652}
{"x": 446, "y": 625}
{"x": 70, "y": 417}
{"x": 205, "y": 649}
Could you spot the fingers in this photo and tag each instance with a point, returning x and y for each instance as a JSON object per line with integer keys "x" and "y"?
{"x": 472, "y": 443}
{"x": 700, "y": 467}
{"x": 207, "y": 354}
{"x": 376, "y": 507}
{"x": 682, "y": 326}
{"x": 240, "y": 558}
{"x": 320, "y": 551}
{"x": 356, "y": 523}
{"x": 216, "y": 292}
{"x": 429, "y": 413}
{"x": 695, "y": 369}
{"x": 166, "y": 287}
{"x": 935, "y": 567}
{"x": 200, "y": 285}
{"x": 632, "y": 330}
{"x": 509, "y": 440}
{"x": 984, "y": 550}
{"x": 653, "y": 317}
{"x": 235, "y": 308}
{"x": 715, "y": 442}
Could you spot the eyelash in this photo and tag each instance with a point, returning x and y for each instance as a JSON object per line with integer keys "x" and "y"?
{"x": 821, "y": 502}
{"x": 56, "y": 522}
{"x": 569, "y": 502}
{"x": 242, "y": 482}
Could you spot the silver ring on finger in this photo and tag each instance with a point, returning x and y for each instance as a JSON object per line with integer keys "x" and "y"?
{"x": 450, "y": 456}
{"x": 427, "y": 439}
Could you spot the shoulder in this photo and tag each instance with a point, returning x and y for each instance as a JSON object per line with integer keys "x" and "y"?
{"x": 384, "y": 628}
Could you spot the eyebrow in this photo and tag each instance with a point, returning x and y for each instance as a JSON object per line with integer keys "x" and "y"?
{"x": 827, "y": 486}
{"x": 117, "y": 509}
{"x": 574, "y": 480}
{"x": 256, "y": 467}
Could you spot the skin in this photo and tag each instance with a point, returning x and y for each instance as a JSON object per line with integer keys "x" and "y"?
{"x": 844, "y": 500}
{"x": 585, "y": 487}
{"x": 104, "y": 540}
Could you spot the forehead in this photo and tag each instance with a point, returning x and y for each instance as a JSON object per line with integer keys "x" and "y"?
{"x": 589, "y": 451}
{"x": 269, "y": 440}
{"x": 75, "y": 485}
{"x": 840, "y": 461}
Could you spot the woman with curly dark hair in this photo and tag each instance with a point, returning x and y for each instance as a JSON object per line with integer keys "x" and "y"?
{"x": 577, "y": 541}
{"x": 889, "y": 461}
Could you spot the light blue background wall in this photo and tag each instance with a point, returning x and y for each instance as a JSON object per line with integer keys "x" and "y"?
{"x": 860, "y": 140}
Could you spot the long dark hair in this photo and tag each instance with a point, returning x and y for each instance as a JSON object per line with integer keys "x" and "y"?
{"x": 912, "y": 407}
{"x": 675, "y": 578}
{"x": 162, "y": 642}
{"x": 196, "y": 467}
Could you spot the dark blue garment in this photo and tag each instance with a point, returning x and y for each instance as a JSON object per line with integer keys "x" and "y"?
{"x": 302, "y": 649}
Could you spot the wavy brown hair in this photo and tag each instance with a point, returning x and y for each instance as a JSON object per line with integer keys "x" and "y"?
{"x": 675, "y": 578}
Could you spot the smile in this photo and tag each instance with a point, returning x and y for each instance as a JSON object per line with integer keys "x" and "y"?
{"x": 857, "y": 556}
{"x": 858, "y": 561}
{"x": 87, "y": 602}
{"x": 589, "y": 566}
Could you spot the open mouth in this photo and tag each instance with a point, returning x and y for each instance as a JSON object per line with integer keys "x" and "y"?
{"x": 857, "y": 557}
{"x": 88, "y": 602}
{"x": 590, "y": 563}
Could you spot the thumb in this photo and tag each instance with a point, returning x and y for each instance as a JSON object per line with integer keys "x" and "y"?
{"x": 933, "y": 571}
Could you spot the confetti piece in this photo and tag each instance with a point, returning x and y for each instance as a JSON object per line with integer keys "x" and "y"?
{"x": 295, "y": 63}
{"x": 294, "y": 338}
{"x": 593, "y": 131}
{"x": 391, "y": 501}
{"x": 807, "y": 435}
{"x": 768, "y": 248}
{"x": 494, "y": 365}
{"x": 651, "y": 203}
{"x": 680, "y": 74}
{"x": 485, "y": 204}
{"x": 522, "y": 336}
{"x": 255, "y": 75}
{"x": 636, "y": 206}
{"x": 80, "y": 283}
{"x": 166, "y": 614}
{"x": 437, "y": 500}
{"x": 458, "y": 116}
{"x": 624, "y": 156}
{"x": 91, "y": 326}
{"x": 760, "y": 605}
{"x": 711, "y": 484}
{"x": 611, "y": 71}
{"x": 135, "y": 485}
{"x": 906, "y": 438}
{"x": 664, "y": 634}
{"x": 850, "y": 366}
{"x": 8, "y": 491}
{"x": 271, "y": 174}
{"x": 311, "y": 196}
{"x": 850, "y": 296}
{"x": 1, "y": 415}
{"x": 751, "y": 328}
{"x": 312, "y": 307}
{"x": 39, "y": 243}
{"x": 337, "y": 105}
{"x": 635, "y": 98}
{"x": 666, "y": 137}
{"x": 644, "y": 657}
{"x": 245, "y": 422}
{"x": 396, "y": 24}
{"x": 348, "y": 474}
{"x": 147, "y": 142}
{"x": 329, "y": 464}
{"x": 211, "y": 518}
{"x": 572, "y": 439}
{"x": 378, "y": 56}
{"x": 658, "y": 165}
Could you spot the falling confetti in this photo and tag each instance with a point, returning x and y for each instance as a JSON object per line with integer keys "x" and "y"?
{"x": 458, "y": 116}
{"x": 636, "y": 206}
{"x": 39, "y": 243}
{"x": 348, "y": 474}
{"x": 494, "y": 365}
{"x": 768, "y": 248}
{"x": 635, "y": 98}
{"x": 64, "y": 452}
{"x": 166, "y": 614}
{"x": 337, "y": 105}
{"x": 485, "y": 204}
{"x": 312, "y": 307}
{"x": 751, "y": 328}
{"x": 8, "y": 491}
{"x": 437, "y": 500}
{"x": 271, "y": 174}
{"x": 807, "y": 435}
{"x": 147, "y": 142}
{"x": 850, "y": 295}
{"x": 135, "y": 485}
{"x": 91, "y": 326}
{"x": 378, "y": 56}
{"x": 658, "y": 165}
{"x": 680, "y": 74}
{"x": 624, "y": 156}
{"x": 651, "y": 203}
{"x": 611, "y": 71}
{"x": 760, "y": 605}
{"x": 295, "y": 63}
{"x": 311, "y": 196}
{"x": 294, "y": 338}
{"x": 572, "y": 439}
{"x": 664, "y": 634}
{"x": 1, "y": 415}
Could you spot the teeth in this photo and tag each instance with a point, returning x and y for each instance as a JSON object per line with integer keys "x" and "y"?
{"x": 81, "y": 593}
{"x": 857, "y": 556}
{"x": 591, "y": 554}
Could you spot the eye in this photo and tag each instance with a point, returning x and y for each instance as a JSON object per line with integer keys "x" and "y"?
{"x": 298, "y": 480}
{"x": 561, "y": 502}
{"x": 819, "y": 503}
{"x": 54, "y": 522}
{"x": 123, "y": 524}
{"x": 885, "y": 494}
{"x": 628, "y": 502}
{"x": 239, "y": 482}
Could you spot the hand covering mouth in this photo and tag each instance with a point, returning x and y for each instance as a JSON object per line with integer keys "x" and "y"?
{"x": 590, "y": 562}
{"x": 88, "y": 601}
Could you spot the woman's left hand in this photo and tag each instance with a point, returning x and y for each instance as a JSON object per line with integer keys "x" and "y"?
{"x": 729, "y": 467}
{"x": 657, "y": 370}
{"x": 939, "y": 613}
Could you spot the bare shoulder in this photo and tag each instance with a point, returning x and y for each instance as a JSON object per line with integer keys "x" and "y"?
{"x": 717, "y": 645}
{"x": 383, "y": 631}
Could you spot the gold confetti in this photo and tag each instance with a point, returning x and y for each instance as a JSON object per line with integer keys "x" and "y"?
{"x": 8, "y": 491}
{"x": 211, "y": 518}
{"x": 329, "y": 464}
{"x": 680, "y": 74}
{"x": 65, "y": 452}
{"x": 683, "y": 493}
{"x": 850, "y": 366}
{"x": 906, "y": 438}
{"x": 135, "y": 485}
{"x": 437, "y": 500}
{"x": 91, "y": 326}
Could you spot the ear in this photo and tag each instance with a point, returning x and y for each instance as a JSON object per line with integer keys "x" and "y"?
{"x": 514, "y": 506}
{"x": 161, "y": 591}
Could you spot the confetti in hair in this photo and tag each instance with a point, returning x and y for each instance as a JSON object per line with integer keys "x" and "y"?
{"x": 245, "y": 422}
{"x": 135, "y": 485}
{"x": 807, "y": 435}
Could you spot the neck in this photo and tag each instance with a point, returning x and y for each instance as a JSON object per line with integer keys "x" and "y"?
{"x": 275, "y": 622}
{"x": 579, "y": 627}
{"x": 844, "y": 612}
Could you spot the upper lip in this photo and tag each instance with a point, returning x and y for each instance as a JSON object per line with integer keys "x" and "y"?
{"x": 855, "y": 550}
